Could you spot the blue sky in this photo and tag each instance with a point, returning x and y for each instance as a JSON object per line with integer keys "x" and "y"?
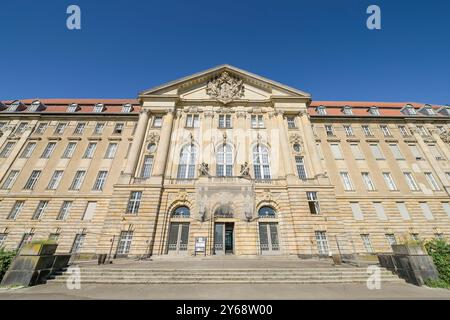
{"x": 322, "y": 47}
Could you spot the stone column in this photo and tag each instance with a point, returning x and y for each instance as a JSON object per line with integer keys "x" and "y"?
{"x": 284, "y": 146}
{"x": 310, "y": 145}
{"x": 164, "y": 143}
{"x": 136, "y": 146}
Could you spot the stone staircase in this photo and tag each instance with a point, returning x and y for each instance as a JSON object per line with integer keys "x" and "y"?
{"x": 139, "y": 275}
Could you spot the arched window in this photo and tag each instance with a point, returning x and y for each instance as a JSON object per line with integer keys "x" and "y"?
{"x": 266, "y": 212}
{"x": 181, "y": 212}
{"x": 224, "y": 160}
{"x": 186, "y": 167}
{"x": 261, "y": 164}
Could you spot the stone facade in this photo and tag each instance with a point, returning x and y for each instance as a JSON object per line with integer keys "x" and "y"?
{"x": 252, "y": 165}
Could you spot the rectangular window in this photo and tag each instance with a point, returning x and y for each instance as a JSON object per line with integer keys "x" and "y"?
{"x": 348, "y": 186}
{"x": 28, "y": 151}
{"x": 10, "y": 179}
{"x": 16, "y": 209}
{"x": 376, "y": 151}
{"x": 6, "y": 151}
{"x": 322, "y": 242}
{"x": 389, "y": 181}
{"x": 367, "y": 244}
{"x": 390, "y": 237}
{"x": 78, "y": 243}
{"x": 422, "y": 131}
{"x": 367, "y": 131}
{"x": 48, "y": 150}
{"x": 157, "y": 121}
{"x": 435, "y": 152}
{"x": 40, "y": 129}
{"x": 348, "y": 131}
{"x": 118, "y": 128}
{"x": 134, "y": 202}
{"x": 60, "y": 128}
{"x": 370, "y": 186}
{"x": 192, "y": 121}
{"x": 147, "y": 166}
{"x": 356, "y": 151}
{"x": 301, "y": 170}
{"x": 53, "y": 237}
{"x": 426, "y": 211}
{"x": 379, "y": 210}
{"x": 413, "y": 186}
{"x": 385, "y": 130}
{"x": 90, "y": 150}
{"x": 99, "y": 128}
{"x": 77, "y": 180}
{"x": 40, "y": 210}
{"x": 313, "y": 202}
{"x": 336, "y": 150}
{"x": 404, "y": 131}
{"x": 21, "y": 127}
{"x": 291, "y": 122}
{"x": 2, "y": 239}
{"x": 89, "y": 212}
{"x": 432, "y": 181}
{"x": 26, "y": 238}
{"x": 64, "y": 211}
{"x": 111, "y": 151}
{"x": 68, "y": 152}
{"x": 100, "y": 181}
{"x": 224, "y": 121}
{"x": 347, "y": 111}
{"x": 403, "y": 211}
{"x": 79, "y": 129}
{"x": 396, "y": 152}
{"x": 32, "y": 180}
{"x": 54, "y": 181}
{"x": 356, "y": 210}
{"x": 124, "y": 242}
{"x": 257, "y": 121}
{"x": 329, "y": 130}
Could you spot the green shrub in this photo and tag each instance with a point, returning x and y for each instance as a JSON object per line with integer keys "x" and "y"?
{"x": 439, "y": 250}
{"x": 5, "y": 260}
{"x": 439, "y": 283}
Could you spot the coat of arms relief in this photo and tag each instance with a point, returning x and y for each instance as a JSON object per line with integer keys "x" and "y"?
{"x": 225, "y": 88}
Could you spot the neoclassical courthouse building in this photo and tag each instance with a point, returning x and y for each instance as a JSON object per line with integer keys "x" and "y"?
{"x": 226, "y": 159}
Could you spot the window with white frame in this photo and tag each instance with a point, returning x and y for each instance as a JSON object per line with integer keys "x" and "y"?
{"x": 64, "y": 211}
{"x": 301, "y": 169}
{"x": 111, "y": 150}
{"x": 367, "y": 131}
{"x": 127, "y": 108}
{"x": 356, "y": 151}
{"x": 40, "y": 129}
{"x": 68, "y": 152}
{"x": 257, "y": 121}
{"x": 224, "y": 121}
{"x": 348, "y": 186}
{"x": 98, "y": 129}
{"x": 322, "y": 242}
{"x": 389, "y": 181}
{"x": 415, "y": 151}
{"x": 186, "y": 167}
{"x": 125, "y": 239}
{"x": 329, "y": 130}
{"x": 55, "y": 180}
{"x": 40, "y": 210}
{"x": 16, "y": 209}
{"x": 99, "y": 107}
{"x": 385, "y": 130}
{"x": 89, "y": 153}
{"x": 404, "y": 131}
{"x": 100, "y": 180}
{"x": 157, "y": 121}
{"x": 413, "y": 186}
{"x": 366, "y": 242}
{"x": 60, "y": 127}
{"x": 432, "y": 181}
{"x": 336, "y": 150}
{"x": 32, "y": 180}
{"x": 390, "y": 237}
{"x": 78, "y": 180}
{"x": 368, "y": 182}
{"x": 429, "y": 110}
{"x": 134, "y": 202}
{"x": 347, "y": 111}
{"x": 72, "y": 107}
{"x": 348, "y": 130}
{"x": 321, "y": 110}
{"x": 423, "y": 131}
{"x": 26, "y": 238}
{"x": 79, "y": 129}
{"x": 89, "y": 212}
{"x": 192, "y": 121}
{"x": 396, "y": 151}
{"x": 10, "y": 179}
{"x": 313, "y": 202}
{"x": 376, "y": 151}
{"x": 48, "y": 150}
{"x": 28, "y": 151}
{"x": 410, "y": 110}
{"x": 78, "y": 243}
{"x": 374, "y": 111}
{"x": 291, "y": 122}
{"x": 147, "y": 166}
{"x": 118, "y": 128}
{"x": 261, "y": 163}
{"x": 6, "y": 151}
{"x": 224, "y": 160}
{"x": 21, "y": 128}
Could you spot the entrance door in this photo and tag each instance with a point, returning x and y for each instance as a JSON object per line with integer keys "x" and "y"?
{"x": 268, "y": 237}
{"x": 223, "y": 238}
{"x": 178, "y": 238}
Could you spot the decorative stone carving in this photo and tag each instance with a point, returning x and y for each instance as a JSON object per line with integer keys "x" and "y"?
{"x": 153, "y": 137}
{"x": 204, "y": 169}
{"x": 208, "y": 114}
{"x": 295, "y": 138}
{"x": 245, "y": 170}
{"x": 225, "y": 88}
{"x": 241, "y": 114}
{"x": 445, "y": 136}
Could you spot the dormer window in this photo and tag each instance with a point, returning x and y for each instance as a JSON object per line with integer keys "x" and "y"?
{"x": 410, "y": 110}
{"x": 2, "y": 106}
{"x": 99, "y": 107}
{"x": 445, "y": 110}
{"x": 16, "y": 106}
{"x": 127, "y": 108}
{"x": 72, "y": 107}
{"x": 321, "y": 110}
{"x": 374, "y": 111}
{"x": 36, "y": 106}
{"x": 347, "y": 111}
{"x": 429, "y": 110}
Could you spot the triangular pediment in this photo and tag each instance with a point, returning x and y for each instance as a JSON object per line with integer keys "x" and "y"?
{"x": 225, "y": 84}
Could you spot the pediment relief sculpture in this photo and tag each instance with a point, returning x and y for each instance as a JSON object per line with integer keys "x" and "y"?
{"x": 225, "y": 88}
